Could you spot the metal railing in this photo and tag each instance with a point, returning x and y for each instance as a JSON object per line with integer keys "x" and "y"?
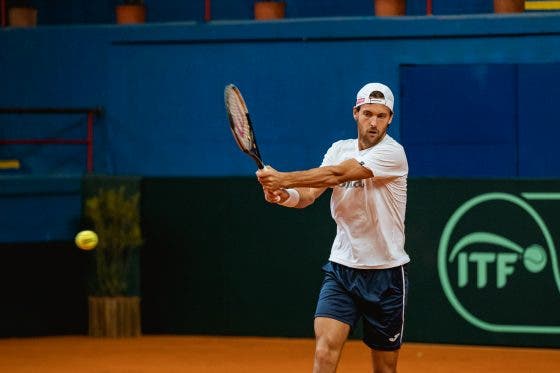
{"x": 91, "y": 113}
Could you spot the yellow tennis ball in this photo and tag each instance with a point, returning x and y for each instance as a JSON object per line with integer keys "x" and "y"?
{"x": 86, "y": 240}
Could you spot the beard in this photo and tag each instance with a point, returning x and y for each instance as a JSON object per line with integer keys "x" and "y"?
{"x": 370, "y": 138}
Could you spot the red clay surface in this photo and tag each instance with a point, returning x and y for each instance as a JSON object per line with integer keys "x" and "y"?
{"x": 248, "y": 354}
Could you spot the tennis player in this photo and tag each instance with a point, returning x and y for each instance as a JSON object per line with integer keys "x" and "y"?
{"x": 366, "y": 276}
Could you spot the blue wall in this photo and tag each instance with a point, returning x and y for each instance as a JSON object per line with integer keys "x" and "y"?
{"x": 487, "y": 120}
{"x": 161, "y": 85}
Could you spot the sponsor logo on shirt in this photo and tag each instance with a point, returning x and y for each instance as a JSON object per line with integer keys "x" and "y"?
{"x": 352, "y": 184}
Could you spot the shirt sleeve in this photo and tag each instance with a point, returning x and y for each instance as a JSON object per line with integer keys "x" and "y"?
{"x": 329, "y": 158}
{"x": 385, "y": 162}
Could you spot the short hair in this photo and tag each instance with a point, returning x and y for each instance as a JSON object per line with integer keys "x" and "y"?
{"x": 376, "y": 94}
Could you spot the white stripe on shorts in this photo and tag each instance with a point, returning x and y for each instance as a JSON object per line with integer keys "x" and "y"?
{"x": 404, "y": 297}
{"x": 403, "y": 302}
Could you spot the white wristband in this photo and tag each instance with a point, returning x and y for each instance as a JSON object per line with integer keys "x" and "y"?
{"x": 293, "y": 198}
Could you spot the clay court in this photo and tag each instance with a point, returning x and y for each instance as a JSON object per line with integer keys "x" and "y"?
{"x": 249, "y": 354}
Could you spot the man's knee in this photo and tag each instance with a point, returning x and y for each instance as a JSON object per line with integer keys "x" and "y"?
{"x": 385, "y": 361}
{"x": 330, "y": 337}
{"x": 327, "y": 353}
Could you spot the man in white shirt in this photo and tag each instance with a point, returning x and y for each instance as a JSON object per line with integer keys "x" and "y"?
{"x": 366, "y": 275}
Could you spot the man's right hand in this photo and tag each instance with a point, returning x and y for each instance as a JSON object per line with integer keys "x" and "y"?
{"x": 275, "y": 195}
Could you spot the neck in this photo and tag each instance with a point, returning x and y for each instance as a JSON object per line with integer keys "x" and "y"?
{"x": 363, "y": 146}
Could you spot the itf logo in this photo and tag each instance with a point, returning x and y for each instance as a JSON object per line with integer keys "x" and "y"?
{"x": 498, "y": 264}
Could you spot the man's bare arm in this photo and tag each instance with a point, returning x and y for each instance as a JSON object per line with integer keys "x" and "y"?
{"x": 320, "y": 177}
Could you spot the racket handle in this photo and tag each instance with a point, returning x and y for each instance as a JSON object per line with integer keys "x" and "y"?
{"x": 259, "y": 163}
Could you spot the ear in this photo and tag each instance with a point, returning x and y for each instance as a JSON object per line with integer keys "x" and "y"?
{"x": 355, "y": 113}
{"x": 390, "y": 118}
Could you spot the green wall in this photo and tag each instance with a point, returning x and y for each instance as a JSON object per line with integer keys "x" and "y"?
{"x": 485, "y": 267}
{"x": 219, "y": 260}
{"x": 43, "y": 287}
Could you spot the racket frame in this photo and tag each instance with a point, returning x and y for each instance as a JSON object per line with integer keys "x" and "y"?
{"x": 253, "y": 152}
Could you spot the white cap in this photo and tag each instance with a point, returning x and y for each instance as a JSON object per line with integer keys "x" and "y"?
{"x": 363, "y": 96}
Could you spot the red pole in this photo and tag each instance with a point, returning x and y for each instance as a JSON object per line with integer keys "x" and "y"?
{"x": 207, "y": 11}
{"x": 429, "y": 7}
{"x": 90, "y": 142}
{"x": 3, "y": 5}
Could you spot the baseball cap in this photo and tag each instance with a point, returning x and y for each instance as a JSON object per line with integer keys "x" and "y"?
{"x": 363, "y": 96}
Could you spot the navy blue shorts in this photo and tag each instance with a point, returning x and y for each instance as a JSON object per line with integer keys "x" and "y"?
{"x": 378, "y": 296}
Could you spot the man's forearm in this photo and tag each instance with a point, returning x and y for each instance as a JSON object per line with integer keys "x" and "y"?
{"x": 326, "y": 176}
{"x": 321, "y": 177}
{"x": 308, "y": 196}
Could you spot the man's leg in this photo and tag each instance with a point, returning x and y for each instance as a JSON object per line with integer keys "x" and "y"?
{"x": 384, "y": 361}
{"x": 330, "y": 335}
{"x": 384, "y": 317}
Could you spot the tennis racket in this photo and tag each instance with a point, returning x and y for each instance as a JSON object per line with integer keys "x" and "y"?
{"x": 240, "y": 123}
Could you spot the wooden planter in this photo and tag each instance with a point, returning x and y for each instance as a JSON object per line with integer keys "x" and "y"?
{"x": 270, "y": 10}
{"x": 22, "y": 17}
{"x": 509, "y": 6}
{"x": 114, "y": 317}
{"x": 389, "y": 8}
{"x": 130, "y": 14}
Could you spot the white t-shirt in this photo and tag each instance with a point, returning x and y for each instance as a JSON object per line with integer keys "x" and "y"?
{"x": 370, "y": 213}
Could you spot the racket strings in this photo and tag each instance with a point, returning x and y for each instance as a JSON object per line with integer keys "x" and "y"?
{"x": 240, "y": 123}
